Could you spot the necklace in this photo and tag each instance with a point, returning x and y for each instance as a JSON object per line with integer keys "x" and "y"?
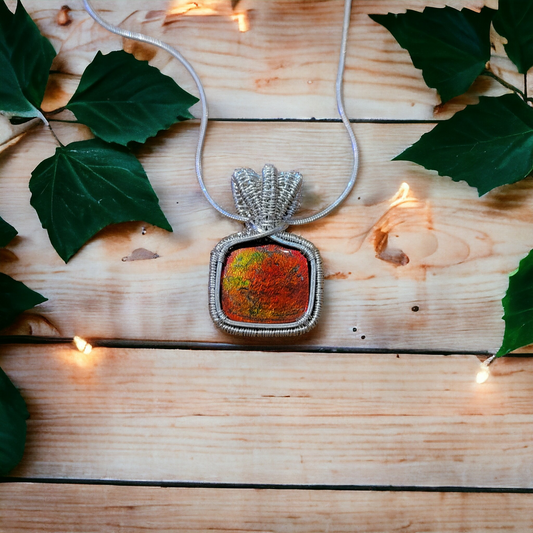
{"x": 263, "y": 280}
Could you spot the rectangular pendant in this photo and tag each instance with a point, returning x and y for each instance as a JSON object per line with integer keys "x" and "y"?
{"x": 265, "y": 286}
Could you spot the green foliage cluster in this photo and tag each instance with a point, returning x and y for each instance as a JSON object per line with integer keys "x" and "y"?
{"x": 15, "y": 298}
{"x": 86, "y": 185}
{"x": 489, "y": 144}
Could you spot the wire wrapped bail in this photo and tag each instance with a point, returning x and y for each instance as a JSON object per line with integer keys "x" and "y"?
{"x": 267, "y": 201}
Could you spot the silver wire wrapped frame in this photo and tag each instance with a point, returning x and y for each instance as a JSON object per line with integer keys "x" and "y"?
{"x": 249, "y": 329}
{"x": 267, "y": 202}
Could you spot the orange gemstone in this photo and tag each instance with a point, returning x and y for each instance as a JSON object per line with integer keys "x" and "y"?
{"x": 267, "y": 284}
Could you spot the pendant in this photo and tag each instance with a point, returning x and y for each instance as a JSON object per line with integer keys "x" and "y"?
{"x": 264, "y": 281}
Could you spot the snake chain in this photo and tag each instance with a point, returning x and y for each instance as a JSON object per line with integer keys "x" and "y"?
{"x": 205, "y": 112}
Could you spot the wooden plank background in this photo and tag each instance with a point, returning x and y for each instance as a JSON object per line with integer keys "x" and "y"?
{"x": 86, "y": 509}
{"x": 229, "y": 416}
{"x": 266, "y": 440}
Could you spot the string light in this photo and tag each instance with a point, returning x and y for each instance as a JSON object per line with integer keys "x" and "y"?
{"x": 484, "y": 370}
{"x": 209, "y": 7}
{"x": 82, "y": 345}
{"x": 242, "y": 21}
{"x": 401, "y": 195}
{"x": 180, "y": 7}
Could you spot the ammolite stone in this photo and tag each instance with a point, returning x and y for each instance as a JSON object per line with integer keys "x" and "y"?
{"x": 266, "y": 284}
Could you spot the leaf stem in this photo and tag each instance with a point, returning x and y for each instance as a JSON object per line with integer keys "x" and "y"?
{"x": 54, "y": 134}
{"x": 507, "y": 85}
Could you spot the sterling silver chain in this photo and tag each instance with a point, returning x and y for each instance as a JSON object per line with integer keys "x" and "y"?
{"x": 243, "y": 215}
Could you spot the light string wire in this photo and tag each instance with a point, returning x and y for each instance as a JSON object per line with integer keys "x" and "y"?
{"x": 135, "y": 36}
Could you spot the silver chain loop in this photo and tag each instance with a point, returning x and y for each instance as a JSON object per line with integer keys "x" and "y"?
{"x": 205, "y": 113}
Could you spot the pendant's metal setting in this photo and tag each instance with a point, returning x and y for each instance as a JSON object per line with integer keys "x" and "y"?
{"x": 268, "y": 202}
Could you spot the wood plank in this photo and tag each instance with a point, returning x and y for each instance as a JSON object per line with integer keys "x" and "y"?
{"x": 460, "y": 247}
{"x": 266, "y": 417}
{"x": 73, "y": 508}
{"x": 284, "y": 66}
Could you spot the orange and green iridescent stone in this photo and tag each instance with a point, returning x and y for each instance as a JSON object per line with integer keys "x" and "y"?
{"x": 267, "y": 284}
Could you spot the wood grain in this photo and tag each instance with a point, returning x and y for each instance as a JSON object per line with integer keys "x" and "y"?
{"x": 88, "y": 509}
{"x": 283, "y": 67}
{"x": 428, "y": 273}
{"x": 266, "y": 417}
{"x": 460, "y": 248}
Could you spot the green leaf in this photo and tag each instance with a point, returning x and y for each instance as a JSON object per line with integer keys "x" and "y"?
{"x": 15, "y": 298}
{"x": 514, "y": 21}
{"x": 7, "y": 233}
{"x": 487, "y": 145}
{"x": 88, "y": 185}
{"x": 122, "y": 99}
{"x": 518, "y": 308}
{"x": 451, "y": 47}
{"x": 13, "y": 416}
{"x": 25, "y": 60}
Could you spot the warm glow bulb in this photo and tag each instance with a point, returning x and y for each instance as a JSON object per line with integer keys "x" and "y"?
{"x": 242, "y": 21}
{"x": 483, "y": 374}
{"x": 82, "y": 345}
{"x": 401, "y": 195}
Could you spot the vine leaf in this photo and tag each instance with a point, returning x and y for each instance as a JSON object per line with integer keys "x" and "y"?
{"x": 123, "y": 99}
{"x": 25, "y": 60}
{"x": 514, "y": 21}
{"x": 88, "y": 185}
{"x": 7, "y": 233}
{"x": 487, "y": 145}
{"x": 15, "y": 298}
{"x": 451, "y": 47}
{"x": 13, "y": 416}
{"x": 518, "y": 308}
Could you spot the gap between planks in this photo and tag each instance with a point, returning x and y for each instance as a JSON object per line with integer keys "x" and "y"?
{"x": 330, "y": 120}
{"x": 147, "y": 344}
{"x": 264, "y": 486}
